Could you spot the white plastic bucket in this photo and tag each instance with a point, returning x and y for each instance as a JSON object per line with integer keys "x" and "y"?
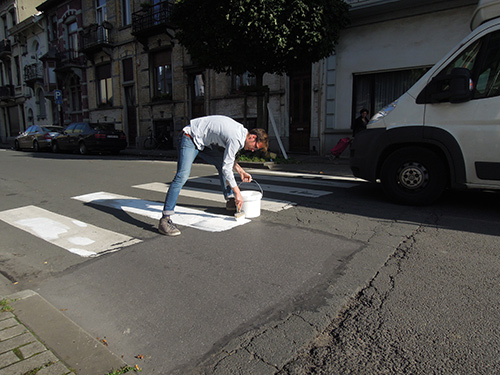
{"x": 251, "y": 201}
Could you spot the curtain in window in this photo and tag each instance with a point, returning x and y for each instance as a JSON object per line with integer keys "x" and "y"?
{"x": 375, "y": 91}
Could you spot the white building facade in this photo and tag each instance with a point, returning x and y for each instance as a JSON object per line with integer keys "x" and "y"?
{"x": 388, "y": 46}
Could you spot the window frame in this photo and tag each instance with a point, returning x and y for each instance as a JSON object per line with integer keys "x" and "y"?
{"x": 371, "y": 89}
{"x": 104, "y": 85}
{"x": 162, "y": 84}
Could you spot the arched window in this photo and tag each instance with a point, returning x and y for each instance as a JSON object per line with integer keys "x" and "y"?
{"x": 31, "y": 119}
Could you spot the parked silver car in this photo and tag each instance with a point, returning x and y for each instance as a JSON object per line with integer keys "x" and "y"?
{"x": 37, "y": 137}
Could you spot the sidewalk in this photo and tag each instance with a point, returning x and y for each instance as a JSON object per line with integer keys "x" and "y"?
{"x": 38, "y": 339}
{"x": 296, "y": 163}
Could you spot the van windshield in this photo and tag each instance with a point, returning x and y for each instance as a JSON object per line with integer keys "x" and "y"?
{"x": 465, "y": 60}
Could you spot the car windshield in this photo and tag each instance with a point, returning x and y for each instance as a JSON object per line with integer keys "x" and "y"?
{"x": 106, "y": 127}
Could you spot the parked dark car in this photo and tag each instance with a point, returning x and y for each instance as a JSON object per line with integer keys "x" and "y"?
{"x": 37, "y": 137}
{"x": 87, "y": 137}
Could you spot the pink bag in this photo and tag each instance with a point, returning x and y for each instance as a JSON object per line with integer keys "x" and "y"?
{"x": 340, "y": 146}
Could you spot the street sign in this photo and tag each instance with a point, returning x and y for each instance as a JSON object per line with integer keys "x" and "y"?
{"x": 58, "y": 96}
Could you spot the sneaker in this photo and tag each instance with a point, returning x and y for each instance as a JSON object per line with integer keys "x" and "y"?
{"x": 168, "y": 228}
{"x": 231, "y": 204}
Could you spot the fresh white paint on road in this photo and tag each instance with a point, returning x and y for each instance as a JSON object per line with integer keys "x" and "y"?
{"x": 72, "y": 235}
{"x": 267, "y": 204}
{"x": 289, "y": 190}
{"x": 183, "y": 216}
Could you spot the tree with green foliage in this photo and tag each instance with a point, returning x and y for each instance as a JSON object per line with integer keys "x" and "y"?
{"x": 259, "y": 36}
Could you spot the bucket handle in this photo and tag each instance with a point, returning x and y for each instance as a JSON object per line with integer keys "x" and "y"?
{"x": 262, "y": 191}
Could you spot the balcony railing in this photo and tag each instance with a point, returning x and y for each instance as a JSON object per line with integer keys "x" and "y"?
{"x": 152, "y": 19}
{"x": 96, "y": 37}
{"x": 70, "y": 59}
{"x": 33, "y": 72}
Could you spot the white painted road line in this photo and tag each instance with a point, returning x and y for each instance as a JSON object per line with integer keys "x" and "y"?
{"x": 290, "y": 190}
{"x": 183, "y": 216}
{"x": 307, "y": 179}
{"x": 273, "y": 205}
{"x": 305, "y": 176}
{"x": 72, "y": 235}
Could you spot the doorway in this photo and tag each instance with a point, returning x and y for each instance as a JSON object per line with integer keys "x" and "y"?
{"x": 197, "y": 93}
{"x": 130, "y": 115}
{"x": 300, "y": 111}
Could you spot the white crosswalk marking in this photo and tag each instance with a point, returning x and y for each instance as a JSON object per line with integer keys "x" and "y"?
{"x": 87, "y": 240}
{"x": 315, "y": 179}
{"x": 273, "y": 205}
{"x": 183, "y": 216}
{"x": 290, "y": 190}
{"x": 338, "y": 182}
{"x": 73, "y": 235}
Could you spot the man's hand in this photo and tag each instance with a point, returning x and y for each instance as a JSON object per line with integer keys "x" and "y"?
{"x": 238, "y": 200}
{"x": 246, "y": 177}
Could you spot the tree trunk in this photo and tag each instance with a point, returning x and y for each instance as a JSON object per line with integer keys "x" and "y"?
{"x": 261, "y": 99}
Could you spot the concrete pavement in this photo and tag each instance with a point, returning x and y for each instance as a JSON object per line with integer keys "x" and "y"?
{"x": 36, "y": 338}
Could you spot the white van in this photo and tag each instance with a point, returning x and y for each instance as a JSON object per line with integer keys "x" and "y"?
{"x": 445, "y": 131}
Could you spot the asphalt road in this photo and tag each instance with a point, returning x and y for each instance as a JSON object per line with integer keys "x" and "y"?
{"x": 343, "y": 282}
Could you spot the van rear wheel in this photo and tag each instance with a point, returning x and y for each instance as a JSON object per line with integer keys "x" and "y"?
{"x": 414, "y": 176}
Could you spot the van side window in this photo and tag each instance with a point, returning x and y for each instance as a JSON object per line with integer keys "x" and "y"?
{"x": 488, "y": 72}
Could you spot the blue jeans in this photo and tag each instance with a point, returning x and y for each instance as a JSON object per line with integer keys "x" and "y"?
{"x": 187, "y": 153}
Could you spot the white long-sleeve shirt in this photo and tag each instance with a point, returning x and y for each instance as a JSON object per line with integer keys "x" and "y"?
{"x": 221, "y": 131}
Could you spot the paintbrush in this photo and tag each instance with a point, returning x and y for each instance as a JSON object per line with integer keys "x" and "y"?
{"x": 239, "y": 215}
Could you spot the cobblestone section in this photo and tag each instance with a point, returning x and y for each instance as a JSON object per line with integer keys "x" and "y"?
{"x": 21, "y": 353}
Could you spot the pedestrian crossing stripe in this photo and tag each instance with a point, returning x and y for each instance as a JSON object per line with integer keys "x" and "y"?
{"x": 290, "y": 190}
{"x": 73, "y": 235}
{"x": 316, "y": 179}
{"x": 87, "y": 240}
{"x": 298, "y": 178}
{"x": 183, "y": 216}
{"x": 267, "y": 204}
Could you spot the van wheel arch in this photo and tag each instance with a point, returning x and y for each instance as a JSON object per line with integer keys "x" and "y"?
{"x": 414, "y": 175}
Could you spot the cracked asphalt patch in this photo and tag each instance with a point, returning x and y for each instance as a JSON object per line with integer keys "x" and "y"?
{"x": 432, "y": 309}
{"x": 268, "y": 348}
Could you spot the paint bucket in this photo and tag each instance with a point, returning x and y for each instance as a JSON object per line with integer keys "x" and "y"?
{"x": 251, "y": 202}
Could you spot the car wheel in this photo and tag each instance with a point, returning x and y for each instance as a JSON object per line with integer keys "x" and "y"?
{"x": 414, "y": 176}
{"x": 16, "y": 146}
{"x": 36, "y": 146}
{"x": 55, "y": 147}
{"x": 83, "y": 148}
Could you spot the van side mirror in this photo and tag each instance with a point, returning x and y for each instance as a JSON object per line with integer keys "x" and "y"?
{"x": 454, "y": 88}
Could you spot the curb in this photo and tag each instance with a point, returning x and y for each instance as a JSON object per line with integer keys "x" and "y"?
{"x": 77, "y": 352}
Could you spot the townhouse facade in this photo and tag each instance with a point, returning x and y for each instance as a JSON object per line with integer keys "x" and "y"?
{"x": 12, "y": 87}
{"x": 388, "y": 47}
{"x": 117, "y": 61}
